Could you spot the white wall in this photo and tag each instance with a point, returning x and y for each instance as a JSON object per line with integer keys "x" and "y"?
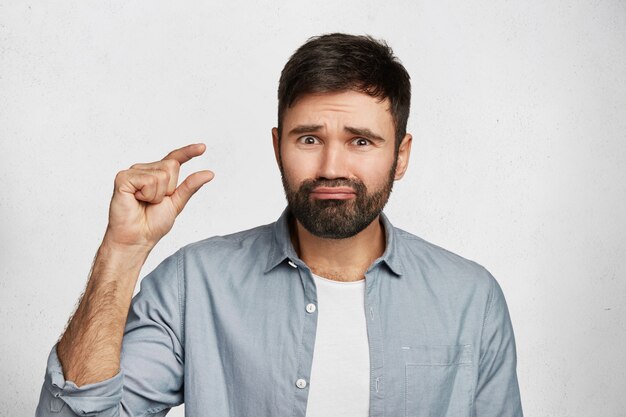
{"x": 519, "y": 119}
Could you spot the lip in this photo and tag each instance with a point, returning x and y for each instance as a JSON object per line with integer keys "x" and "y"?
{"x": 333, "y": 193}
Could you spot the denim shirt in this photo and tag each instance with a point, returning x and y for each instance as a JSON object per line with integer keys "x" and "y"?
{"x": 223, "y": 326}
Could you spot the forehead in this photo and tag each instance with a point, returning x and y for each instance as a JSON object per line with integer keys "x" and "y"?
{"x": 340, "y": 109}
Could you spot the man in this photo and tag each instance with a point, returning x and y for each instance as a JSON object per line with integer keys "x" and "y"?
{"x": 330, "y": 311}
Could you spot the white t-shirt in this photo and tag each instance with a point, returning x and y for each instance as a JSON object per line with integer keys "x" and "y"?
{"x": 340, "y": 374}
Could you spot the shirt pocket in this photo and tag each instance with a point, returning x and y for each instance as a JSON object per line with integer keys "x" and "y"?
{"x": 438, "y": 381}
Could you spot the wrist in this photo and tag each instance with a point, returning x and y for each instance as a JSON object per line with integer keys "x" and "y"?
{"x": 122, "y": 256}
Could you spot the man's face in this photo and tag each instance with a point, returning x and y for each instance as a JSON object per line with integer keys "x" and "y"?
{"x": 338, "y": 162}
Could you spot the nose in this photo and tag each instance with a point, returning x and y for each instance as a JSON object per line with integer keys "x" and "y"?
{"x": 334, "y": 162}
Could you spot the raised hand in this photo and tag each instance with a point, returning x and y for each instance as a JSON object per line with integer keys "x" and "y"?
{"x": 145, "y": 203}
{"x": 147, "y": 199}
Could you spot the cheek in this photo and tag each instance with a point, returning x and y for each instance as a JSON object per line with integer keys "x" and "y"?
{"x": 375, "y": 172}
{"x": 297, "y": 168}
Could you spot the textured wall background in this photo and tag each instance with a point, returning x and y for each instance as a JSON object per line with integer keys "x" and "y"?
{"x": 518, "y": 159}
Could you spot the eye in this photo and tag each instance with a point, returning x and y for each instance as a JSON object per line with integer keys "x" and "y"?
{"x": 361, "y": 142}
{"x": 308, "y": 140}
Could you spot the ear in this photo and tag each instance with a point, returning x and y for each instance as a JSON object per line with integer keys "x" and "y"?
{"x": 276, "y": 145}
{"x": 403, "y": 156}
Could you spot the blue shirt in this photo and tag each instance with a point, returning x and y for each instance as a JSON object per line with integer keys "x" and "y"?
{"x": 223, "y": 325}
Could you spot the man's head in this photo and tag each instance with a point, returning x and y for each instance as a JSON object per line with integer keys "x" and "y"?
{"x": 340, "y": 62}
{"x": 341, "y": 139}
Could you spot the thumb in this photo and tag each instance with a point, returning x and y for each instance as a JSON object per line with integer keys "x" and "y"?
{"x": 187, "y": 188}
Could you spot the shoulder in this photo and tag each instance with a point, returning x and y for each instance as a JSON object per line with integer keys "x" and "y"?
{"x": 242, "y": 240}
{"x": 439, "y": 265}
{"x": 246, "y": 243}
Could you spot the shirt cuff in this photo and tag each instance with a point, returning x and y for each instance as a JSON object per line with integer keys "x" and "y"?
{"x": 100, "y": 398}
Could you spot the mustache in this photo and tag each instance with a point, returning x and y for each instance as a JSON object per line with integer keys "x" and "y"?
{"x": 307, "y": 186}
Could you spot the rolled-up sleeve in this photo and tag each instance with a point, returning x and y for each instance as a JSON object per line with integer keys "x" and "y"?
{"x": 151, "y": 375}
{"x": 497, "y": 392}
{"x": 63, "y": 398}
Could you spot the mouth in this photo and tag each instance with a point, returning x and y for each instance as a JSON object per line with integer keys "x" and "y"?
{"x": 333, "y": 193}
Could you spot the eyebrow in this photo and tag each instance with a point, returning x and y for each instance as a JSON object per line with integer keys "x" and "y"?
{"x": 298, "y": 130}
{"x": 365, "y": 132}
{"x": 359, "y": 131}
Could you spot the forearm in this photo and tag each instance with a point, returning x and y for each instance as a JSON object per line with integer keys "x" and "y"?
{"x": 83, "y": 371}
{"x": 90, "y": 348}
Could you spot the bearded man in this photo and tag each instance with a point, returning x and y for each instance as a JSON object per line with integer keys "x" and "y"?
{"x": 329, "y": 311}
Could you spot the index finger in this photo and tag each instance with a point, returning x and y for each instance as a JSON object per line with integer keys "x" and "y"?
{"x": 185, "y": 153}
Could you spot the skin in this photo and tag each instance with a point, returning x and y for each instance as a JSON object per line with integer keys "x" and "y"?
{"x": 340, "y": 135}
{"x": 146, "y": 201}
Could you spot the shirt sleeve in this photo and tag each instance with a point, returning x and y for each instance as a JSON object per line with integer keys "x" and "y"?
{"x": 497, "y": 390}
{"x": 150, "y": 380}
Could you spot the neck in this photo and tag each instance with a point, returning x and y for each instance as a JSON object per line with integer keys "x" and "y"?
{"x": 340, "y": 259}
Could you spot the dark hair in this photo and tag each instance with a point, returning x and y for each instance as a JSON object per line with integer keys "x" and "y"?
{"x": 338, "y": 62}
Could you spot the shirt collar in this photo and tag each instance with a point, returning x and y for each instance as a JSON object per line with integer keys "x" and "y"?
{"x": 283, "y": 250}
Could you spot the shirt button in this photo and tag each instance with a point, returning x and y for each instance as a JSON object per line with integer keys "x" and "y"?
{"x": 292, "y": 264}
{"x": 301, "y": 383}
{"x": 310, "y": 308}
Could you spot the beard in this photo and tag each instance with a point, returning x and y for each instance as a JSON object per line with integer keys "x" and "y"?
{"x": 337, "y": 219}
